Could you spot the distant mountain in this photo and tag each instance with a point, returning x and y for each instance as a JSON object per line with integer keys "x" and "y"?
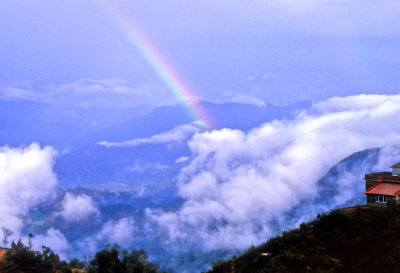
{"x": 67, "y": 126}
{"x": 94, "y": 165}
{"x": 23, "y": 122}
{"x": 353, "y": 239}
{"x": 225, "y": 115}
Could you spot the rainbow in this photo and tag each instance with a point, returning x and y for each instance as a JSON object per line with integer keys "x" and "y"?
{"x": 158, "y": 64}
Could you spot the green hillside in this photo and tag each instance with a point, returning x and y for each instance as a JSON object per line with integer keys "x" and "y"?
{"x": 354, "y": 239}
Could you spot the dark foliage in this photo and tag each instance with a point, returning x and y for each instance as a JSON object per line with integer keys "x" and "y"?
{"x": 113, "y": 259}
{"x": 76, "y": 263}
{"x": 355, "y": 239}
{"x": 30, "y": 261}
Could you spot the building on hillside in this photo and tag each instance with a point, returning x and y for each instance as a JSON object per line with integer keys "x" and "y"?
{"x": 383, "y": 188}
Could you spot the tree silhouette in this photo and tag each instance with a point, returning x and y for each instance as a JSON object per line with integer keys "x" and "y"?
{"x": 113, "y": 259}
{"x": 30, "y": 236}
{"x": 6, "y": 234}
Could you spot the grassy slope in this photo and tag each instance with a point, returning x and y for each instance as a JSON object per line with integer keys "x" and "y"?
{"x": 3, "y": 252}
{"x": 355, "y": 239}
{"x": 5, "y": 265}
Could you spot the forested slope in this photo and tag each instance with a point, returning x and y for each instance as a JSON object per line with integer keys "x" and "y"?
{"x": 354, "y": 239}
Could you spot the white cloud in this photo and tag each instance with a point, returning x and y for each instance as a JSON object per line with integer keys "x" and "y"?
{"x": 333, "y": 17}
{"x": 177, "y": 134}
{"x": 88, "y": 86}
{"x": 10, "y": 93}
{"x": 270, "y": 76}
{"x": 101, "y": 93}
{"x": 242, "y": 98}
{"x": 239, "y": 185}
{"x": 139, "y": 167}
{"x": 388, "y": 156}
{"x": 118, "y": 231}
{"x": 53, "y": 239}
{"x": 227, "y": 93}
{"x": 77, "y": 208}
{"x": 26, "y": 178}
{"x": 182, "y": 159}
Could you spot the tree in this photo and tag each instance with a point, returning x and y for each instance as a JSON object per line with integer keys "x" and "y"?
{"x": 30, "y": 236}
{"x": 77, "y": 264}
{"x": 107, "y": 261}
{"x": 28, "y": 260}
{"x": 6, "y": 234}
{"x": 113, "y": 259}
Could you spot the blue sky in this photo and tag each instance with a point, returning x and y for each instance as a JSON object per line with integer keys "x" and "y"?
{"x": 276, "y": 51}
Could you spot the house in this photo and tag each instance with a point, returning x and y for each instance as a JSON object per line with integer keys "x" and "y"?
{"x": 383, "y": 188}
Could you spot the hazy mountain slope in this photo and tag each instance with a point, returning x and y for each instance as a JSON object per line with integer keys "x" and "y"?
{"x": 348, "y": 176}
{"x": 111, "y": 205}
{"x": 112, "y": 166}
{"x": 23, "y": 122}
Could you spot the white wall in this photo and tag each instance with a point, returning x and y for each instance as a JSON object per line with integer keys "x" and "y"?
{"x": 396, "y": 171}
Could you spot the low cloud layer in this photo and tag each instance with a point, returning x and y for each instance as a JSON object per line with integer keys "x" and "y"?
{"x": 54, "y": 239}
{"x": 239, "y": 185}
{"x": 141, "y": 167}
{"x": 101, "y": 93}
{"x": 26, "y": 178}
{"x": 77, "y": 208}
{"x": 242, "y": 98}
{"x": 11, "y": 93}
{"x": 177, "y": 134}
{"x": 117, "y": 231}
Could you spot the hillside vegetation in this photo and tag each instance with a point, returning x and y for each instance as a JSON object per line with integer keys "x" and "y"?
{"x": 22, "y": 259}
{"x": 354, "y": 239}
{"x": 112, "y": 259}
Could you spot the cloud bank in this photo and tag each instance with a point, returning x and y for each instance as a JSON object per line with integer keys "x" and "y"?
{"x": 118, "y": 231}
{"x": 77, "y": 208}
{"x": 239, "y": 185}
{"x": 179, "y": 133}
{"x": 141, "y": 167}
{"x": 54, "y": 239}
{"x": 96, "y": 93}
{"x": 26, "y": 178}
{"x": 242, "y": 98}
{"x": 10, "y": 93}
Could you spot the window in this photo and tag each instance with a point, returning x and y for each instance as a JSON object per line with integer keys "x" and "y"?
{"x": 381, "y": 199}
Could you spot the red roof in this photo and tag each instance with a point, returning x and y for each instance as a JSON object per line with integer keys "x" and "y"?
{"x": 397, "y": 165}
{"x": 385, "y": 189}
